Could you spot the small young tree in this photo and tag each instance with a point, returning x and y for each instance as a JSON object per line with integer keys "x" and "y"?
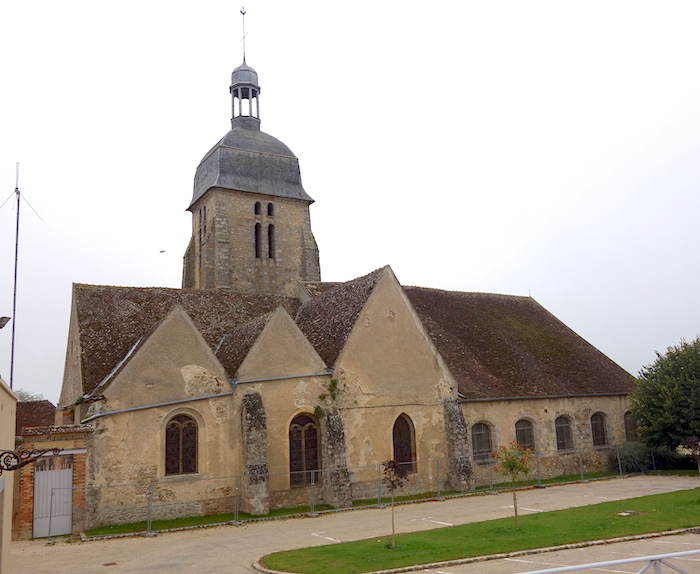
{"x": 512, "y": 460}
{"x": 395, "y": 475}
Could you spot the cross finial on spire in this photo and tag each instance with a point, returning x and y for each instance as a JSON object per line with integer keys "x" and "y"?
{"x": 244, "y": 34}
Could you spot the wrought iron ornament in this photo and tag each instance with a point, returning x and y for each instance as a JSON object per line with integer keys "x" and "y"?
{"x": 11, "y": 460}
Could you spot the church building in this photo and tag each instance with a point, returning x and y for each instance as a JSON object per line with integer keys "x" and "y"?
{"x": 259, "y": 382}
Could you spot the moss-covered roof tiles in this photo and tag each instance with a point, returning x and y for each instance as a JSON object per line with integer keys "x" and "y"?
{"x": 328, "y": 319}
{"x": 499, "y": 346}
{"x": 112, "y": 319}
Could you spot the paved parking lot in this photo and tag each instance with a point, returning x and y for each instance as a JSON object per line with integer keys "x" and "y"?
{"x": 609, "y": 552}
{"x": 234, "y": 548}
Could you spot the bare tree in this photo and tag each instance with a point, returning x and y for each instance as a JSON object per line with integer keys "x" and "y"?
{"x": 395, "y": 475}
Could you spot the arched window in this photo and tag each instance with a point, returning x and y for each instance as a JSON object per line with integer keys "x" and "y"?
{"x": 630, "y": 428}
{"x": 598, "y": 429}
{"x": 257, "y": 241}
{"x": 271, "y": 241}
{"x": 524, "y": 434}
{"x": 304, "y": 450}
{"x": 405, "y": 442}
{"x": 181, "y": 445}
{"x": 257, "y": 208}
{"x": 481, "y": 442}
{"x": 270, "y": 209}
{"x": 565, "y": 438}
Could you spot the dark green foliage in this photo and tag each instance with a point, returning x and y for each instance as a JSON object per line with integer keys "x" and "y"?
{"x": 333, "y": 388}
{"x": 635, "y": 457}
{"x": 668, "y": 392}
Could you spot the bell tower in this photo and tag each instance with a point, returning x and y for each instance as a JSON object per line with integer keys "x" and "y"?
{"x": 251, "y": 227}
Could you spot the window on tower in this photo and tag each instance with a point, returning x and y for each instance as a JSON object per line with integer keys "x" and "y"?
{"x": 270, "y": 209}
{"x": 257, "y": 208}
{"x": 271, "y": 241}
{"x": 257, "y": 241}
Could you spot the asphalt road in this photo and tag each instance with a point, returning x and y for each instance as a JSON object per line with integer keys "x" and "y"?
{"x": 232, "y": 549}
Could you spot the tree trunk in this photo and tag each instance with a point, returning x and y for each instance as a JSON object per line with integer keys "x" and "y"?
{"x": 393, "y": 530}
{"x": 515, "y": 508}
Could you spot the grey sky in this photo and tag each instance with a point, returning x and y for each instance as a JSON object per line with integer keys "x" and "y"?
{"x": 543, "y": 148}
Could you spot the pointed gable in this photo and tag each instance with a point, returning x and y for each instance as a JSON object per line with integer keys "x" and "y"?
{"x": 389, "y": 352}
{"x": 327, "y": 319}
{"x": 109, "y": 321}
{"x": 279, "y": 349}
{"x": 499, "y": 346}
{"x": 172, "y": 362}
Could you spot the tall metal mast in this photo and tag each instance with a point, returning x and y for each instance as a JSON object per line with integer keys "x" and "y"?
{"x": 14, "y": 290}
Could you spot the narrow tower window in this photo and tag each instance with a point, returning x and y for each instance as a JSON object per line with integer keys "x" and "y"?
{"x": 271, "y": 241}
{"x": 257, "y": 208}
{"x": 257, "y": 240}
{"x": 202, "y": 224}
{"x": 270, "y": 209}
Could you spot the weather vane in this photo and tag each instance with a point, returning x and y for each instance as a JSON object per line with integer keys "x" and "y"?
{"x": 244, "y": 34}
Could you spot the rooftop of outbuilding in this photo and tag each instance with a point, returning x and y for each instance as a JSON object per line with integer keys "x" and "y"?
{"x": 34, "y": 414}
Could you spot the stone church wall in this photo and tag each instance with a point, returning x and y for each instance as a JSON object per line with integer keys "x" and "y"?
{"x": 501, "y": 417}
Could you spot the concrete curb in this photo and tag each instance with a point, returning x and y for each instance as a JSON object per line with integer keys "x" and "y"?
{"x": 260, "y": 568}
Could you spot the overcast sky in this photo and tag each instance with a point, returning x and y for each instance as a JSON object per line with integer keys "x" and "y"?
{"x": 542, "y": 148}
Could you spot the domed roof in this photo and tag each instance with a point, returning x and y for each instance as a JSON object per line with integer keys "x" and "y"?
{"x": 244, "y": 74}
{"x": 253, "y": 161}
{"x": 246, "y": 159}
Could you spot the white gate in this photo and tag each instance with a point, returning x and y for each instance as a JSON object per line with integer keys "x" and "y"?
{"x": 53, "y": 496}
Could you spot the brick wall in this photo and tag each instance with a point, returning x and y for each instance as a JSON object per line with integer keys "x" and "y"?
{"x": 68, "y": 438}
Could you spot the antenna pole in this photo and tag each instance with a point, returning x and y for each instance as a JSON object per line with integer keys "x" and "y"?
{"x": 14, "y": 293}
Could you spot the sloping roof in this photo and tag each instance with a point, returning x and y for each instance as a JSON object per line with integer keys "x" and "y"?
{"x": 236, "y": 345}
{"x": 316, "y": 288}
{"x": 34, "y": 414}
{"x": 328, "y": 318}
{"x": 499, "y": 346}
{"x": 112, "y": 319}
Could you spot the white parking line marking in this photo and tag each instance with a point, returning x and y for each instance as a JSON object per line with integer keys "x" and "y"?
{"x": 320, "y": 535}
{"x": 430, "y": 519}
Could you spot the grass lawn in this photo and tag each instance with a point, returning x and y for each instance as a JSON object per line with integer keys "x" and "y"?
{"x": 651, "y": 514}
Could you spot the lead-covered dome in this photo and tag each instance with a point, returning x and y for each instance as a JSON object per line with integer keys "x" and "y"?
{"x": 247, "y": 159}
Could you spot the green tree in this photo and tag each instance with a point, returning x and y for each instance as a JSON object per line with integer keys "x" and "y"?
{"x": 665, "y": 405}
{"x": 513, "y": 460}
{"x": 26, "y": 396}
{"x": 395, "y": 474}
